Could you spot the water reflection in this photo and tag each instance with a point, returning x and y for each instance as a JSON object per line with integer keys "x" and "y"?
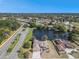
{"x": 38, "y": 33}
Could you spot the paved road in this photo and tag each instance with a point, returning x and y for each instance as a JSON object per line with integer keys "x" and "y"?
{"x": 4, "y": 48}
{"x": 13, "y": 54}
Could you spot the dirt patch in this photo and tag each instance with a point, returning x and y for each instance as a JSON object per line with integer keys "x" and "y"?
{"x": 51, "y": 52}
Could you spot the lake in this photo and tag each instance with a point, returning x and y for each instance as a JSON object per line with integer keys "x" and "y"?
{"x": 38, "y": 33}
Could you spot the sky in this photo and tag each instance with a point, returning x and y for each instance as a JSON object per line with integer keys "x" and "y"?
{"x": 39, "y": 6}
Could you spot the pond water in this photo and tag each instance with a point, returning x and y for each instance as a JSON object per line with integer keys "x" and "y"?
{"x": 38, "y": 33}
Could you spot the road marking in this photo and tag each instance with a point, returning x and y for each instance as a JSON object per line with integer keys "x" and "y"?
{"x": 10, "y": 37}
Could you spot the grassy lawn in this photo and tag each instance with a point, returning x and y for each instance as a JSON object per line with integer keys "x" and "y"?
{"x": 29, "y": 36}
{"x": 10, "y": 48}
{"x": 24, "y": 51}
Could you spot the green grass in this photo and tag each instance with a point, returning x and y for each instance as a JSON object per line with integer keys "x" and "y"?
{"x": 10, "y": 48}
{"x": 27, "y": 40}
{"x": 29, "y": 36}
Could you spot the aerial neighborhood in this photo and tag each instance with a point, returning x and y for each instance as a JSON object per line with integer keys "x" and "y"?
{"x": 39, "y": 36}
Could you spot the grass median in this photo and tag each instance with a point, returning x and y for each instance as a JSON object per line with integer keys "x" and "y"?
{"x": 24, "y": 51}
{"x": 12, "y": 45}
{"x": 28, "y": 37}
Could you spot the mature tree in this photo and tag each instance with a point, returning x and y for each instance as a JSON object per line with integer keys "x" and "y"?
{"x": 74, "y": 34}
{"x": 6, "y": 26}
{"x": 39, "y": 26}
{"x": 32, "y": 24}
{"x": 26, "y": 45}
{"x": 26, "y": 55}
{"x": 60, "y": 28}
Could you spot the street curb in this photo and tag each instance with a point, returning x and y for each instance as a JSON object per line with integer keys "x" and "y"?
{"x": 10, "y": 37}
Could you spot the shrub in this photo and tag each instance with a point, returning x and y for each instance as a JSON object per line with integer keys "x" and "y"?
{"x": 26, "y": 55}
{"x": 26, "y": 45}
{"x": 9, "y": 50}
{"x": 22, "y": 54}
